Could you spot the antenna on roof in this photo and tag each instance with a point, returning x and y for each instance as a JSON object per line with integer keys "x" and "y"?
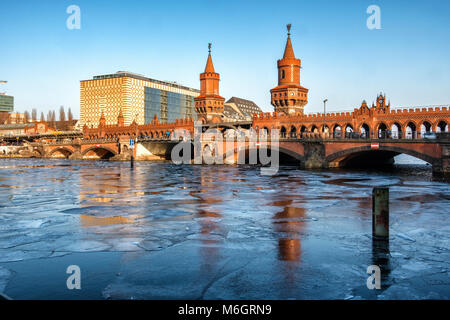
{"x": 209, "y": 47}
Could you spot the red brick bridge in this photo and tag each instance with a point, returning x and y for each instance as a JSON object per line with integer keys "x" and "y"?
{"x": 368, "y": 136}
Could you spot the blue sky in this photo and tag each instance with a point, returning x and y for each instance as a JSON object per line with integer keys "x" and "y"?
{"x": 342, "y": 59}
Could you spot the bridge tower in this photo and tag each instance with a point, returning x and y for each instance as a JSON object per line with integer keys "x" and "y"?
{"x": 381, "y": 103}
{"x": 289, "y": 97}
{"x": 209, "y": 104}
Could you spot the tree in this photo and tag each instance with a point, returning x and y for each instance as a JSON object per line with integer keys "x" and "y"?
{"x": 62, "y": 114}
{"x": 70, "y": 116}
{"x": 50, "y": 119}
{"x": 42, "y": 117}
{"x": 26, "y": 117}
{"x": 53, "y": 119}
{"x": 34, "y": 115}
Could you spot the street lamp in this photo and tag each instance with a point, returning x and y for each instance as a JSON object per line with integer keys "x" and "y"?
{"x": 136, "y": 122}
{"x": 324, "y": 113}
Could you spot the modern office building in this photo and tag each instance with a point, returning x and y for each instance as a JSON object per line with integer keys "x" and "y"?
{"x": 138, "y": 97}
{"x": 6, "y": 107}
{"x": 6, "y": 103}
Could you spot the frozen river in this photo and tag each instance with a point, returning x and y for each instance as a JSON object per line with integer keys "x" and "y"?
{"x": 163, "y": 231}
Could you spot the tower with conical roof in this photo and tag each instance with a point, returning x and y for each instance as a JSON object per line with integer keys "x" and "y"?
{"x": 120, "y": 119}
{"x": 289, "y": 97}
{"x": 209, "y": 104}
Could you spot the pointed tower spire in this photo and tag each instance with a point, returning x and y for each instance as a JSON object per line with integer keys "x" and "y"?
{"x": 209, "y": 64}
{"x": 289, "y": 51}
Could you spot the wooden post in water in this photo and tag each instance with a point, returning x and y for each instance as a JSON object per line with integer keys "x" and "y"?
{"x": 132, "y": 146}
{"x": 380, "y": 213}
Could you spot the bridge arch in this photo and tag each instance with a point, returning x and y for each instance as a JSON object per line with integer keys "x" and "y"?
{"x": 60, "y": 152}
{"x": 337, "y": 127}
{"x": 364, "y": 129}
{"x": 293, "y": 132}
{"x": 381, "y": 129}
{"x": 348, "y": 128}
{"x": 396, "y": 130}
{"x": 342, "y": 157}
{"x": 410, "y": 129}
{"x": 441, "y": 126}
{"x": 37, "y": 153}
{"x": 425, "y": 126}
{"x": 283, "y": 132}
{"x": 314, "y": 129}
{"x": 98, "y": 152}
{"x": 285, "y": 154}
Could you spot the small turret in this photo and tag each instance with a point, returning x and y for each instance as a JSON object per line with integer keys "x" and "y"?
{"x": 120, "y": 119}
{"x": 102, "y": 120}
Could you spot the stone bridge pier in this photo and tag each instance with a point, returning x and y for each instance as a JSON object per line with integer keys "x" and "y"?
{"x": 443, "y": 166}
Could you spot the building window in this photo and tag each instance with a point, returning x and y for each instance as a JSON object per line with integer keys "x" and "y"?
{"x": 282, "y": 74}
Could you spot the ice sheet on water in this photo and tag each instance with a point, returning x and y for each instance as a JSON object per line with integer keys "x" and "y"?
{"x": 236, "y": 235}
{"x": 33, "y": 224}
{"x": 19, "y": 255}
{"x": 5, "y": 275}
{"x": 123, "y": 244}
{"x": 404, "y": 236}
{"x": 153, "y": 244}
{"x": 85, "y": 246}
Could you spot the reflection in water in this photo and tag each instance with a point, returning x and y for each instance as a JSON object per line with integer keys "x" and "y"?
{"x": 289, "y": 223}
{"x": 289, "y": 249}
{"x": 90, "y": 221}
{"x": 286, "y": 232}
{"x": 381, "y": 258}
{"x": 208, "y": 221}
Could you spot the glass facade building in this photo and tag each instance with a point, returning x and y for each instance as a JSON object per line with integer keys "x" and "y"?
{"x": 137, "y": 97}
{"x": 167, "y": 106}
{"x": 6, "y": 103}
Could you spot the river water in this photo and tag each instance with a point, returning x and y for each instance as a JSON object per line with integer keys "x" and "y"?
{"x": 161, "y": 231}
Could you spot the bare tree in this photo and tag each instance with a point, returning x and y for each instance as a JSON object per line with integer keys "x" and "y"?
{"x": 70, "y": 116}
{"x": 26, "y": 117}
{"x": 54, "y": 119}
{"x": 50, "y": 119}
{"x": 62, "y": 114}
{"x": 42, "y": 117}
{"x": 34, "y": 115}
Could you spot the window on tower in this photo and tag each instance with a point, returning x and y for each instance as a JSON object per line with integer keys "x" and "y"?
{"x": 282, "y": 74}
